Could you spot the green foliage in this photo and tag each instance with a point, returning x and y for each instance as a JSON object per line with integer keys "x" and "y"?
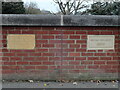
{"x": 13, "y": 8}
{"x": 104, "y": 8}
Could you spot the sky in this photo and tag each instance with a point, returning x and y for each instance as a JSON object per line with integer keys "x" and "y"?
{"x": 44, "y": 5}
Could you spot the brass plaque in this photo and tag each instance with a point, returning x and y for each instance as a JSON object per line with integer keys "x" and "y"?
{"x": 95, "y": 42}
{"x": 17, "y": 41}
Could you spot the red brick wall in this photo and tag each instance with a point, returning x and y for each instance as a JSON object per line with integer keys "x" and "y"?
{"x": 60, "y": 52}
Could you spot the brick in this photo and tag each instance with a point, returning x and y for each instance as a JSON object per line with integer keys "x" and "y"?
{"x": 47, "y": 54}
{"x": 68, "y": 32}
{"x": 41, "y": 50}
{"x": 86, "y": 62}
{"x": 74, "y": 54}
{"x": 105, "y": 67}
{"x": 21, "y": 54}
{"x": 9, "y": 54}
{"x": 74, "y": 46}
{"x": 105, "y": 58}
{"x": 68, "y": 50}
{"x": 61, "y": 45}
{"x": 1, "y": 54}
{"x": 91, "y": 50}
{"x": 68, "y": 41}
{"x": 21, "y": 71}
{"x": 93, "y": 58}
{"x": 55, "y": 50}
{"x": 8, "y": 28}
{"x": 29, "y": 67}
{"x": 74, "y": 37}
{"x": 35, "y": 54}
{"x": 9, "y": 63}
{"x": 28, "y": 51}
{"x": 41, "y": 67}
{"x": 94, "y": 32}
{"x": 3, "y": 41}
{"x": 84, "y": 37}
{"x": 22, "y": 63}
{"x": 35, "y": 63}
{"x": 16, "y": 51}
{"x": 60, "y": 54}
{"x": 14, "y": 32}
{"x": 83, "y": 46}
{"x": 68, "y": 58}
{"x": 80, "y": 67}
{"x": 8, "y": 71}
{"x": 55, "y": 41}
{"x": 27, "y": 32}
{"x": 87, "y": 54}
{"x": 61, "y": 63}
{"x": 42, "y": 58}
{"x": 41, "y": 32}
{"x": 5, "y": 58}
{"x": 41, "y": 41}
{"x": 15, "y": 58}
{"x": 112, "y": 54}
{"x": 80, "y": 50}
{"x": 54, "y": 58}
{"x": 38, "y": 36}
{"x": 81, "y": 41}
{"x": 93, "y": 67}
{"x": 4, "y": 50}
{"x": 115, "y": 66}
{"x": 48, "y": 63}
{"x": 67, "y": 67}
{"x": 116, "y": 32}
{"x": 62, "y": 37}
{"x": 99, "y": 62}
{"x": 29, "y": 58}
{"x": 4, "y": 32}
{"x": 100, "y": 50}
{"x": 80, "y": 58}
{"x": 115, "y": 58}
{"x": 100, "y": 54}
{"x": 21, "y": 28}
{"x": 48, "y": 45}
{"x": 74, "y": 62}
{"x": 11, "y": 67}
{"x": 106, "y": 32}
{"x": 47, "y": 37}
{"x": 113, "y": 62}
{"x": 55, "y": 32}
{"x": 52, "y": 67}
{"x": 81, "y": 32}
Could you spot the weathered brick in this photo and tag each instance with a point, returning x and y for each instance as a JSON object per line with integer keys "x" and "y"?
{"x": 80, "y": 58}
{"x": 99, "y": 62}
{"x": 15, "y": 58}
{"x": 81, "y": 41}
{"x": 41, "y": 67}
{"x": 93, "y": 58}
{"x": 74, "y": 37}
{"x": 74, "y": 62}
{"x": 48, "y": 63}
{"x": 47, "y": 37}
{"x": 74, "y": 54}
{"x": 74, "y": 46}
{"x": 35, "y": 63}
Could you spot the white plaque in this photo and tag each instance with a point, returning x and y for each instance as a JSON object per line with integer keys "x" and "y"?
{"x": 96, "y": 42}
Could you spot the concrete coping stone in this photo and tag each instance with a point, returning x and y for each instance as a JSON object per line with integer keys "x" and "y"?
{"x": 59, "y": 20}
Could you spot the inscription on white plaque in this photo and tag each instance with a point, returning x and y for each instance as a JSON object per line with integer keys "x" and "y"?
{"x": 96, "y": 42}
